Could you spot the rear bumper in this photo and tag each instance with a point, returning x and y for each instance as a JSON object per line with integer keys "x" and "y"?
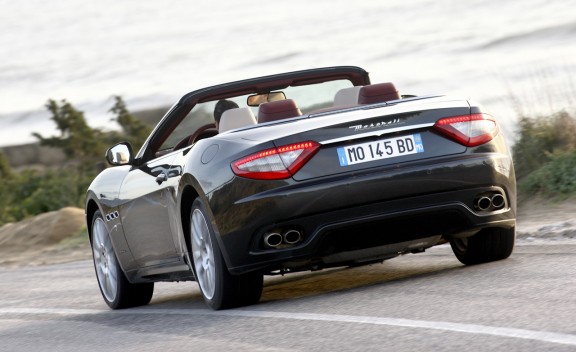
{"x": 368, "y": 216}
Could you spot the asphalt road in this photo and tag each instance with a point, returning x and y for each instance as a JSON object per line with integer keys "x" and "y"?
{"x": 422, "y": 302}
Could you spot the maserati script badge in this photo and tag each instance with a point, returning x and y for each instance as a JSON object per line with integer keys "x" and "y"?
{"x": 378, "y": 124}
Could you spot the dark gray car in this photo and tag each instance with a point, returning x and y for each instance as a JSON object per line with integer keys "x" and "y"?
{"x": 301, "y": 171}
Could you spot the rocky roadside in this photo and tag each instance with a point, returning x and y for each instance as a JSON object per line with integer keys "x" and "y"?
{"x": 538, "y": 219}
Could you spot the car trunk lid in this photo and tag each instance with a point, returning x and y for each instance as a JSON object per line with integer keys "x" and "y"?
{"x": 376, "y": 136}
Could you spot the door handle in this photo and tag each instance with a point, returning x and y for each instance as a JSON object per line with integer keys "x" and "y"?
{"x": 161, "y": 178}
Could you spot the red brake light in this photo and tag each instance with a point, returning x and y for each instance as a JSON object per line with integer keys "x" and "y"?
{"x": 275, "y": 163}
{"x": 470, "y": 130}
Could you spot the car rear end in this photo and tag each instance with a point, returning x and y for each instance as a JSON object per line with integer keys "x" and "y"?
{"x": 364, "y": 184}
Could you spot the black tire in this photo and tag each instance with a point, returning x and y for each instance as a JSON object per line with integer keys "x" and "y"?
{"x": 116, "y": 290}
{"x": 219, "y": 288}
{"x": 488, "y": 245}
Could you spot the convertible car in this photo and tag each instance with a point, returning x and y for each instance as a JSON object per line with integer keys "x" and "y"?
{"x": 293, "y": 172}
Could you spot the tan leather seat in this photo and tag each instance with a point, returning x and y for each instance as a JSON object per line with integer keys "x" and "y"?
{"x": 347, "y": 96}
{"x": 236, "y": 118}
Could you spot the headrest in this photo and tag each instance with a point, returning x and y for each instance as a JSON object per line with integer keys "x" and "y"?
{"x": 278, "y": 110}
{"x": 378, "y": 93}
{"x": 236, "y": 118}
{"x": 347, "y": 96}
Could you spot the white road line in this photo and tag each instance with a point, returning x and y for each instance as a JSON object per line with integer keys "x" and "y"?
{"x": 543, "y": 336}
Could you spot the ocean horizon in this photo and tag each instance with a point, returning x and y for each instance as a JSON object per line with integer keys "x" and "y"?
{"x": 515, "y": 57}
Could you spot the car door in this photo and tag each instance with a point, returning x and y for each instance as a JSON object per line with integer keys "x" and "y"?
{"x": 149, "y": 211}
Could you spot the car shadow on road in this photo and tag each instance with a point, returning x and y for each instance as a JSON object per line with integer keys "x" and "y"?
{"x": 410, "y": 267}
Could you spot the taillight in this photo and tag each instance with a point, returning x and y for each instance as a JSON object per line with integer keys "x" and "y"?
{"x": 275, "y": 163}
{"x": 470, "y": 130}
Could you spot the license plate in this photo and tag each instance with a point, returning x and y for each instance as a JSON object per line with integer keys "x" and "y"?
{"x": 378, "y": 150}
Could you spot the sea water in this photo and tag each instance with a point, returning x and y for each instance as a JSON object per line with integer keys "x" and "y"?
{"x": 515, "y": 57}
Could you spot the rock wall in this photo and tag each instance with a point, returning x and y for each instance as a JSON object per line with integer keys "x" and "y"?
{"x": 33, "y": 155}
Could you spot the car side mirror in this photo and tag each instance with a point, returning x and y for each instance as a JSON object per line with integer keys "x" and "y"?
{"x": 120, "y": 154}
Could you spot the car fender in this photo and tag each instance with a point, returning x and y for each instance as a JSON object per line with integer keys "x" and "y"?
{"x": 103, "y": 195}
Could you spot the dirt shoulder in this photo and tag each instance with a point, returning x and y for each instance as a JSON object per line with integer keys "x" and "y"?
{"x": 539, "y": 219}
{"x": 49, "y": 238}
{"x": 61, "y": 237}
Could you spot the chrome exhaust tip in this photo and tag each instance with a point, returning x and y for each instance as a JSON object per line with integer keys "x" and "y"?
{"x": 292, "y": 237}
{"x": 498, "y": 201}
{"x": 273, "y": 239}
{"x": 483, "y": 203}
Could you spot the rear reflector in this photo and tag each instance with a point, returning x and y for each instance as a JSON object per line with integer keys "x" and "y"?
{"x": 275, "y": 163}
{"x": 469, "y": 130}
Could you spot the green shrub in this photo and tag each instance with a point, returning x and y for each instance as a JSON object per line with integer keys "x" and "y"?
{"x": 78, "y": 140}
{"x": 52, "y": 190}
{"x": 540, "y": 138}
{"x": 545, "y": 156}
{"x": 31, "y": 192}
{"x": 555, "y": 179}
{"x": 133, "y": 130}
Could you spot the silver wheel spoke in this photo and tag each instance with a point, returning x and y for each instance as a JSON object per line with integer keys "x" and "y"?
{"x": 203, "y": 254}
{"x": 104, "y": 260}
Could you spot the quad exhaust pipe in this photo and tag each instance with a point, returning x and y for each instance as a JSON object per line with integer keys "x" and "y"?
{"x": 498, "y": 201}
{"x": 491, "y": 201}
{"x": 273, "y": 239}
{"x": 483, "y": 203}
{"x": 289, "y": 237}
